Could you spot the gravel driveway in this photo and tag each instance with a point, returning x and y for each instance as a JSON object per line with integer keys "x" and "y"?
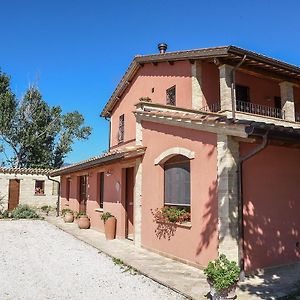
{"x": 39, "y": 261}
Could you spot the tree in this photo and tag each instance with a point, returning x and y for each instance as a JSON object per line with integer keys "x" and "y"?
{"x": 34, "y": 134}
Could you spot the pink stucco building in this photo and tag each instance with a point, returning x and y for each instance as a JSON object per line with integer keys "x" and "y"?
{"x": 214, "y": 131}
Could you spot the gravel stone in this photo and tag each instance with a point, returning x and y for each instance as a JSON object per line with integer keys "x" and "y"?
{"x": 39, "y": 261}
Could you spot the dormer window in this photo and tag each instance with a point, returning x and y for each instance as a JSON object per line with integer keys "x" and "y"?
{"x": 171, "y": 95}
{"x": 121, "y": 129}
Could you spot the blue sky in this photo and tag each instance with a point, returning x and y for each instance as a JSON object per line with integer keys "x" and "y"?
{"x": 78, "y": 50}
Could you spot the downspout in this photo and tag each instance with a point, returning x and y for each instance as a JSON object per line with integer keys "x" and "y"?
{"x": 233, "y": 102}
{"x": 58, "y": 194}
{"x": 242, "y": 159}
{"x": 109, "y": 133}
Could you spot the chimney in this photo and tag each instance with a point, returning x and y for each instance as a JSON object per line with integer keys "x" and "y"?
{"x": 162, "y": 47}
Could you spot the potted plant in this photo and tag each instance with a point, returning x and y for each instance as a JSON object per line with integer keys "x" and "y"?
{"x": 83, "y": 220}
{"x": 169, "y": 214}
{"x": 222, "y": 276}
{"x": 109, "y": 225}
{"x": 69, "y": 216}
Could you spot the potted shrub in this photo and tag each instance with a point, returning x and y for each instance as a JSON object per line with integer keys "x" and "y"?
{"x": 109, "y": 225}
{"x": 222, "y": 276}
{"x": 69, "y": 216}
{"x": 83, "y": 220}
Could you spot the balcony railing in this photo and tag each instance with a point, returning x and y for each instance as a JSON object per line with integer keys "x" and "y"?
{"x": 214, "y": 107}
{"x": 258, "y": 109}
{"x": 297, "y": 117}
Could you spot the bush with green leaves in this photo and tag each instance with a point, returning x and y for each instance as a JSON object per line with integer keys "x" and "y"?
{"x": 46, "y": 209}
{"x": 66, "y": 210}
{"x": 24, "y": 212}
{"x": 222, "y": 273}
{"x": 80, "y": 214}
{"x": 106, "y": 216}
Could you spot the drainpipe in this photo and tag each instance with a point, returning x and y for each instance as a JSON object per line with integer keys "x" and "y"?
{"x": 58, "y": 194}
{"x": 242, "y": 159}
{"x": 233, "y": 102}
{"x": 109, "y": 139}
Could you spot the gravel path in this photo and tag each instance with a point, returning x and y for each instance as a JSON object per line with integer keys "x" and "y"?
{"x": 39, "y": 261}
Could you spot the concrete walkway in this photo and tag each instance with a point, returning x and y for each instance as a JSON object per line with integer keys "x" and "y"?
{"x": 184, "y": 279}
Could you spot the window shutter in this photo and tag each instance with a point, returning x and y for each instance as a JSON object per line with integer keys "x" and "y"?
{"x": 177, "y": 184}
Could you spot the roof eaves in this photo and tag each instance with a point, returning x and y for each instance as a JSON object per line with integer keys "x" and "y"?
{"x": 263, "y": 58}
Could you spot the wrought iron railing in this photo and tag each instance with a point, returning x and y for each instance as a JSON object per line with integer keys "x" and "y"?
{"x": 297, "y": 117}
{"x": 214, "y": 107}
{"x": 258, "y": 109}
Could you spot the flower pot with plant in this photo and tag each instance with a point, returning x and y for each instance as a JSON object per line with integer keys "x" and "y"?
{"x": 83, "y": 220}
{"x": 222, "y": 276}
{"x": 109, "y": 225}
{"x": 67, "y": 215}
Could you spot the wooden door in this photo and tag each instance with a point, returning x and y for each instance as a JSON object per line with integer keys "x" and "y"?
{"x": 13, "y": 194}
{"x": 129, "y": 202}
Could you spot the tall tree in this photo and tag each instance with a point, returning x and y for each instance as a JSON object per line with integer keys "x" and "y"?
{"x": 36, "y": 134}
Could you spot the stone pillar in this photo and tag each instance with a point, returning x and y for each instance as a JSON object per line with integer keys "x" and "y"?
{"x": 138, "y": 202}
{"x": 287, "y": 100}
{"x": 225, "y": 87}
{"x": 228, "y": 155}
{"x": 197, "y": 94}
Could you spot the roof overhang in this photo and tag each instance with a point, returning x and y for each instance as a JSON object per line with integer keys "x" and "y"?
{"x": 105, "y": 159}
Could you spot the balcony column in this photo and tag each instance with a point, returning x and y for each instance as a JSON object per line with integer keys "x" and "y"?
{"x": 197, "y": 93}
{"x": 225, "y": 86}
{"x": 287, "y": 100}
{"x": 227, "y": 159}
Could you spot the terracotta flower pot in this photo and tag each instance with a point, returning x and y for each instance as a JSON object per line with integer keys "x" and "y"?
{"x": 229, "y": 293}
{"x": 84, "y": 222}
{"x": 69, "y": 217}
{"x": 110, "y": 228}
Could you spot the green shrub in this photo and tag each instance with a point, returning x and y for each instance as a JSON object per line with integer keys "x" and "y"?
{"x": 80, "y": 214}
{"x": 106, "y": 216}
{"x": 46, "y": 209}
{"x": 222, "y": 273}
{"x": 4, "y": 214}
{"x": 65, "y": 210}
{"x": 24, "y": 212}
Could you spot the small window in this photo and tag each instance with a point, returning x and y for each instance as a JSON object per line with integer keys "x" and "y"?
{"x": 101, "y": 188}
{"x": 171, "y": 95}
{"x": 121, "y": 129}
{"x": 54, "y": 188}
{"x": 242, "y": 93}
{"x": 39, "y": 189}
{"x": 177, "y": 181}
{"x": 68, "y": 188}
{"x": 83, "y": 188}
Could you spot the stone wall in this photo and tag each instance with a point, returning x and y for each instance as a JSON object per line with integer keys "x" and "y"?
{"x": 27, "y": 189}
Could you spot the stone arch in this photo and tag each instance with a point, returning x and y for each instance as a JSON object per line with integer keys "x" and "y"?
{"x": 163, "y": 157}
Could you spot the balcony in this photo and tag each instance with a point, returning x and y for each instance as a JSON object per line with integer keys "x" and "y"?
{"x": 258, "y": 109}
{"x": 251, "y": 108}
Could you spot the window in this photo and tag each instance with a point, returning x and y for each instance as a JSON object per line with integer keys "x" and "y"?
{"x": 171, "y": 95}
{"x": 68, "y": 186}
{"x": 83, "y": 188}
{"x": 54, "y": 188}
{"x": 121, "y": 129}
{"x": 39, "y": 189}
{"x": 101, "y": 188}
{"x": 177, "y": 181}
{"x": 242, "y": 93}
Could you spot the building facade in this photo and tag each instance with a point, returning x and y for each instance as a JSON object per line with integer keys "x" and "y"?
{"x": 212, "y": 131}
{"x": 27, "y": 186}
